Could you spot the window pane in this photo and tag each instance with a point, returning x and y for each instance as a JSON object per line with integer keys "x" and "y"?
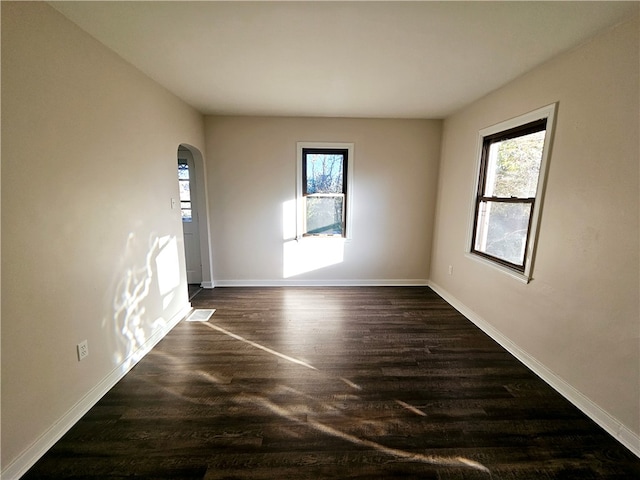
{"x": 183, "y": 171}
{"x": 513, "y": 166}
{"x": 186, "y": 215}
{"x": 185, "y": 193}
{"x": 502, "y": 230}
{"x": 324, "y": 173}
{"x": 324, "y": 215}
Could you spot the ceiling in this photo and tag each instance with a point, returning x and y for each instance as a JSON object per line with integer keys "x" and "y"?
{"x": 343, "y": 59}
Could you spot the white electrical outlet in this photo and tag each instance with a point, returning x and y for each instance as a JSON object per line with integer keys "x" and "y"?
{"x": 450, "y": 269}
{"x": 83, "y": 350}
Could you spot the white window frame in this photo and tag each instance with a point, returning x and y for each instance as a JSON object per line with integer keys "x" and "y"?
{"x": 549, "y": 113}
{"x": 350, "y": 147}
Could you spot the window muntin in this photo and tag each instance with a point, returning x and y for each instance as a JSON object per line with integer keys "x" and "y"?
{"x": 510, "y": 183}
{"x": 324, "y": 191}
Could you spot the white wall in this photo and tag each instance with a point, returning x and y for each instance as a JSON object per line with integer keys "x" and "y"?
{"x": 252, "y": 186}
{"x": 579, "y": 316}
{"x": 91, "y": 246}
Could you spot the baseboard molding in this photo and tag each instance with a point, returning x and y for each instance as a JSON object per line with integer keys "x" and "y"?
{"x": 323, "y": 283}
{"x": 207, "y": 285}
{"x": 32, "y": 454}
{"x": 614, "y": 427}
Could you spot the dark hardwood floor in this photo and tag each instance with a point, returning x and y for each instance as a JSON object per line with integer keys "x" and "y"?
{"x": 333, "y": 383}
{"x": 193, "y": 289}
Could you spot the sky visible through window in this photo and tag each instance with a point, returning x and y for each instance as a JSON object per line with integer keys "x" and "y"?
{"x": 325, "y": 193}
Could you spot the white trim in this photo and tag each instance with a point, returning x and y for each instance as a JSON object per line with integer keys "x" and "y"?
{"x": 350, "y": 147}
{"x": 207, "y": 285}
{"x": 548, "y": 112}
{"x": 608, "y": 422}
{"x": 37, "y": 449}
{"x": 324, "y": 283}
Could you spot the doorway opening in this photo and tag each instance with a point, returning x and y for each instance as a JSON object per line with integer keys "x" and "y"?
{"x": 195, "y": 228}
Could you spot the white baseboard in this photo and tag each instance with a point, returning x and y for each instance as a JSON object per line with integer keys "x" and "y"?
{"x": 614, "y": 427}
{"x": 323, "y": 283}
{"x": 207, "y": 285}
{"x": 33, "y": 453}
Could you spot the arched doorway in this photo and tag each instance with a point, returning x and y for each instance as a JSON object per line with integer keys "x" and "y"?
{"x": 195, "y": 221}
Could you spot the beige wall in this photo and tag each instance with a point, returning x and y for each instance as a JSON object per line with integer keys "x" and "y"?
{"x": 579, "y": 316}
{"x": 91, "y": 245}
{"x": 89, "y": 168}
{"x": 252, "y": 186}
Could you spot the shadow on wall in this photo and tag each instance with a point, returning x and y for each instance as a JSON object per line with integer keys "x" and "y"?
{"x": 306, "y": 254}
{"x": 129, "y": 321}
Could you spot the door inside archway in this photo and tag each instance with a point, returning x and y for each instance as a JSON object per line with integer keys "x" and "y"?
{"x": 190, "y": 217}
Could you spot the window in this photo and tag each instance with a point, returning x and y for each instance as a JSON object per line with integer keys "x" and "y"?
{"x": 185, "y": 190}
{"x": 511, "y": 174}
{"x": 324, "y": 171}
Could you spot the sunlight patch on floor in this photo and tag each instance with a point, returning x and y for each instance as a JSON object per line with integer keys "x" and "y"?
{"x": 261, "y": 347}
{"x": 411, "y": 408}
{"x": 394, "y": 452}
{"x": 302, "y": 411}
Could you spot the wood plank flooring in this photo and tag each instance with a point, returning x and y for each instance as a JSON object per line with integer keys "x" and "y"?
{"x": 333, "y": 383}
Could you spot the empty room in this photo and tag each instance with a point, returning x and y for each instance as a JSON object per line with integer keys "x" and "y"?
{"x": 321, "y": 239}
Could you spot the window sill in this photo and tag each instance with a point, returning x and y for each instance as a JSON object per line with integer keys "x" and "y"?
{"x": 323, "y": 238}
